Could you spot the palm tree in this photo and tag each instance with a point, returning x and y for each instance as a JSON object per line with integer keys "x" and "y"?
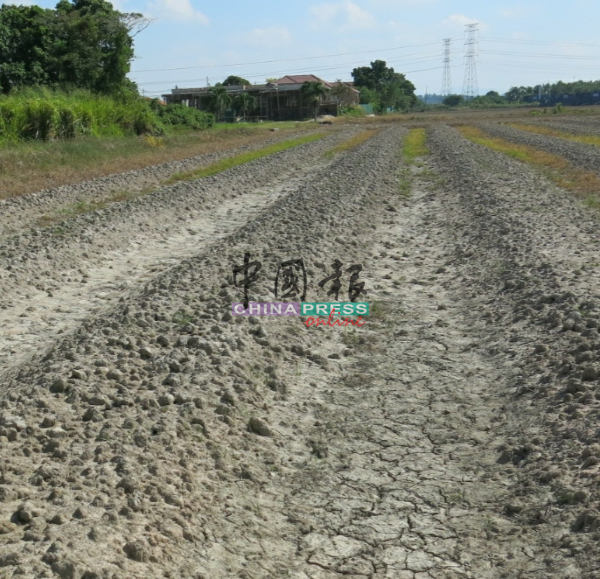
{"x": 244, "y": 103}
{"x": 219, "y": 101}
{"x": 312, "y": 93}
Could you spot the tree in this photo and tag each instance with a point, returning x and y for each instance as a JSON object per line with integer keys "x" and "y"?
{"x": 374, "y": 76}
{"x": 219, "y": 100}
{"x": 453, "y": 100}
{"x": 233, "y": 80}
{"x": 81, "y": 44}
{"x": 244, "y": 103}
{"x": 397, "y": 94}
{"x": 24, "y": 46}
{"x": 368, "y": 96}
{"x": 385, "y": 88}
{"x": 312, "y": 93}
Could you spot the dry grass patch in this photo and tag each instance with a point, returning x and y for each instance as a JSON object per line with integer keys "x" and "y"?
{"x": 352, "y": 143}
{"x": 32, "y": 166}
{"x": 583, "y": 183}
{"x": 586, "y": 139}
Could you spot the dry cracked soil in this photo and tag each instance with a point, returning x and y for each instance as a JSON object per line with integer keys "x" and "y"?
{"x": 145, "y": 432}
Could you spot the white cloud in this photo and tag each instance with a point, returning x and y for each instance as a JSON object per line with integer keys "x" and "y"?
{"x": 343, "y": 16}
{"x": 462, "y": 20}
{"x": 268, "y": 37}
{"x": 178, "y": 10}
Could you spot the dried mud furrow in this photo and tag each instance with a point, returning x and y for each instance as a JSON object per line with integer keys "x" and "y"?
{"x": 166, "y": 438}
{"x": 155, "y": 400}
{"x": 580, "y": 154}
{"x": 54, "y": 278}
{"x": 576, "y": 127}
{"x": 531, "y": 252}
{"x": 18, "y": 214}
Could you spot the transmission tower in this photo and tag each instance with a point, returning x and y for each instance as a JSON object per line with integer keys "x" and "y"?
{"x": 446, "y": 79}
{"x": 470, "y": 89}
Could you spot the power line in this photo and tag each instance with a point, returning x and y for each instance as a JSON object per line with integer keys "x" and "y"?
{"x": 285, "y": 59}
{"x": 202, "y": 80}
{"x": 446, "y": 77}
{"x": 554, "y": 43}
{"x": 433, "y": 56}
{"x": 541, "y": 55}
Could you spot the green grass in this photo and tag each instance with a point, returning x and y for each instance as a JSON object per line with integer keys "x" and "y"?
{"x": 224, "y": 164}
{"x": 352, "y": 143}
{"x": 87, "y": 207}
{"x": 377, "y": 310}
{"x": 404, "y": 185}
{"x": 181, "y": 318}
{"x": 592, "y": 202}
{"x": 266, "y": 126}
{"x": 32, "y": 165}
{"x": 413, "y": 148}
{"x": 414, "y": 145}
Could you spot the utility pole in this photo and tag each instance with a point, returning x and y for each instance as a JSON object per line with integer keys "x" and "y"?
{"x": 446, "y": 78}
{"x": 470, "y": 89}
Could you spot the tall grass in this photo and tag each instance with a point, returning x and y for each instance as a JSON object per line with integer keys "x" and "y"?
{"x": 46, "y": 115}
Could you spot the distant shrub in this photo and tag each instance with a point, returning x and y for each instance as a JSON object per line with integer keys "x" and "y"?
{"x": 353, "y": 111}
{"x": 176, "y": 114}
{"x": 453, "y": 100}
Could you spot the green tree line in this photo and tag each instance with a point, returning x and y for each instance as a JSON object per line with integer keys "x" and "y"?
{"x": 84, "y": 44}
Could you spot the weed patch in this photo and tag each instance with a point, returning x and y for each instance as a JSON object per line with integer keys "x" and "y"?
{"x": 583, "y": 183}
{"x": 243, "y": 158}
{"x": 353, "y": 142}
{"x": 414, "y": 145}
{"x": 586, "y": 139}
{"x": 404, "y": 185}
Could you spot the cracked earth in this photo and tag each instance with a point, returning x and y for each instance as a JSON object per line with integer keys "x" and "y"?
{"x": 145, "y": 432}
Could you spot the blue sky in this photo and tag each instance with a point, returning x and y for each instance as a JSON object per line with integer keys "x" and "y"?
{"x": 520, "y": 43}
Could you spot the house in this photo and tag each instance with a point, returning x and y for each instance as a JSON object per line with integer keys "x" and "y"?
{"x": 276, "y": 101}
